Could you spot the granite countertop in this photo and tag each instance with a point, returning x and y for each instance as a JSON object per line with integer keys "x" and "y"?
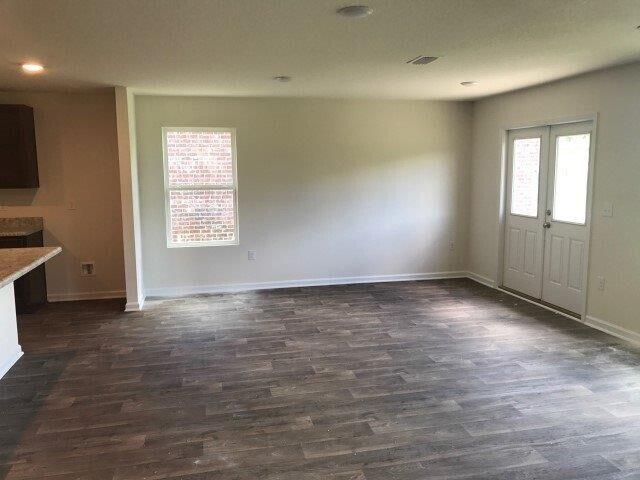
{"x": 15, "y": 262}
{"x": 20, "y": 226}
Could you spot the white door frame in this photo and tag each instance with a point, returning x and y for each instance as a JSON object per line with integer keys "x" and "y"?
{"x": 502, "y": 194}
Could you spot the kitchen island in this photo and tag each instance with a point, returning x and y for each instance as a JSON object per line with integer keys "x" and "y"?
{"x": 14, "y": 263}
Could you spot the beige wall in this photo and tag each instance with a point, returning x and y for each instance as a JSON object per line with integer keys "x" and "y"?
{"x": 615, "y": 242}
{"x": 78, "y": 164}
{"x": 327, "y": 189}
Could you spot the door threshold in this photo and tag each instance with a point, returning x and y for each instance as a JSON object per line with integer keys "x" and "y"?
{"x": 542, "y": 303}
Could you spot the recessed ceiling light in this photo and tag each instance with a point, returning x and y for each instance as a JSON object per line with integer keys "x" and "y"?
{"x": 469, "y": 83}
{"x": 355, "y": 11}
{"x": 282, "y": 78}
{"x": 32, "y": 68}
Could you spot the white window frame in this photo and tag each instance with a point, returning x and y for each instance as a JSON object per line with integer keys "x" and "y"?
{"x": 168, "y": 189}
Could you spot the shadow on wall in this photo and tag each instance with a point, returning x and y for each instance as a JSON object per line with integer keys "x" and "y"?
{"x": 18, "y": 197}
{"x": 401, "y": 211}
{"x": 394, "y": 215}
{"x": 326, "y": 189}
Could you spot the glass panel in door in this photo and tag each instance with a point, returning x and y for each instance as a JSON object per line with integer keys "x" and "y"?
{"x": 571, "y": 176}
{"x": 525, "y": 177}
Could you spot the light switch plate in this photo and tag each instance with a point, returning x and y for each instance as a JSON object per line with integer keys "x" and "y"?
{"x": 607, "y": 209}
{"x": 251, "y": 255}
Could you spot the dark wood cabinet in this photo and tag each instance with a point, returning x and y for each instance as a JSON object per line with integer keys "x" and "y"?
{"x": 30, "y": 289}
{"x": 18, "y": 157}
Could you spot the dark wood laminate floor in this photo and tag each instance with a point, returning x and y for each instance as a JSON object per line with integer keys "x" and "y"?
{"x": 417, "y": 380}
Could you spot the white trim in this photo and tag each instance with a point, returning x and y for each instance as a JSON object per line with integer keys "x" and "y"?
{"x": 67, "y": 297}
{"x": 611, "y": 329}
{"x": 168, "y": 188}
{"x": 135, "y": 306}
{"x": 476, "y": 277}
{"x": 312, "y": 282}
{"x": 129, "y": 191}
{"x": 593, "y": 322}
{"x": 492, "y": 284}
{"x": 589, "y": 213}
{"x": 11, "y": 361}
{"x": 539, "y": 304}
{"x": 588, "y": 117}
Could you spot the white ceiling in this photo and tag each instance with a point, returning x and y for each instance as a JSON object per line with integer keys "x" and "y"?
{"x": 235, "y": 47}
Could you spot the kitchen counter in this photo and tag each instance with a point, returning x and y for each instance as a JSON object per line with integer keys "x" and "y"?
{"x": 20, "y": 226}
{"x": 15, "y": 262}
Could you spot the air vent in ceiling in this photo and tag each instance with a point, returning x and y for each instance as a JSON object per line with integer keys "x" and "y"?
{"x": 422, "y": 60}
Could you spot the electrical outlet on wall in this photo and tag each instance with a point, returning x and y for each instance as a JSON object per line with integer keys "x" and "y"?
{"x": 601, "y": 282}
{"x": 251, "y": 255}
{"x": 607, "y": 209}
{"x": 87, "y": 269}
{"x": 452, "y": 245}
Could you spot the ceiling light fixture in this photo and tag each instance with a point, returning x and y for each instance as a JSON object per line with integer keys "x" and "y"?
{"x": 355, "y": 11}
{"x": 32, "y": 68}
{"x": 282, "y": 78}
{"x": 469, "y": 83}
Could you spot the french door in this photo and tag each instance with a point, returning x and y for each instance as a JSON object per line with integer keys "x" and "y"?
{"x": 547, "y": 213}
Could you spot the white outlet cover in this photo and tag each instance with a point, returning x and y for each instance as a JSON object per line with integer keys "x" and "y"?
{"x": 251, "y": 255}
{"x": 607, "y": 209}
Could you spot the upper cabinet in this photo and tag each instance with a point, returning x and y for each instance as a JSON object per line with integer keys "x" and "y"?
{"x": 18, "y": 157}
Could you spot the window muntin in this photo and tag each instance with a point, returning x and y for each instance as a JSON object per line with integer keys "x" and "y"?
{"x": 200, "y": 186}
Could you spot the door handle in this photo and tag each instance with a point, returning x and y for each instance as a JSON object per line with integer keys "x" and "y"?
{"x": 546, "y": 225}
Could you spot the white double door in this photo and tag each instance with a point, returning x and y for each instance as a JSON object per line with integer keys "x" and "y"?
{"x": 547, "y": 213}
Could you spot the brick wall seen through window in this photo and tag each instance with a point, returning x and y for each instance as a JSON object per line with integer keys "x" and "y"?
{"x": 200, "y": 186}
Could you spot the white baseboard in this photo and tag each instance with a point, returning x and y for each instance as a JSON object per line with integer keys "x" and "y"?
{"x": 10, "y": 361}
{"x": 597, "y": 323}
{"x": 67, "y": 297}
{"x": 620, "y": 332}
{"x": 492, "y": 284}
{"x": 314, "y": 282}
{"x": 482, "y": 279}
{"x": 135, "y": 306}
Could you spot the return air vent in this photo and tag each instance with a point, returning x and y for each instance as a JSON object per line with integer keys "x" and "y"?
{"x": 422, "y": 60}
